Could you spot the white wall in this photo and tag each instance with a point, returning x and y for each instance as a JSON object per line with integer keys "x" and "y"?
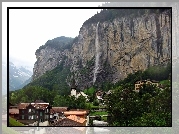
{"x": 73, "y": 92}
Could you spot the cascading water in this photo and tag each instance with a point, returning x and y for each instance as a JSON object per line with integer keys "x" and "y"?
{"x": 97, "y": 55}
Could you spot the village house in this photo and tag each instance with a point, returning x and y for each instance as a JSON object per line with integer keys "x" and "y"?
{"x": 57, "y": 113}
{"x": 138, "y": 84}
{"x": 31, "y": 112}
{"x": 99, "y": 95}
{"x": 72, "y": 118}
{"x": 77, "y": 94}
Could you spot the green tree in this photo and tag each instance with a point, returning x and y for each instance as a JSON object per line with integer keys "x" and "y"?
{"x": 60, "y": 101}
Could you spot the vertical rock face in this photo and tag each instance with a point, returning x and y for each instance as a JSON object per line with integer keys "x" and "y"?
{"x": 47, "y": 59}
{"x": 125, "y": 45}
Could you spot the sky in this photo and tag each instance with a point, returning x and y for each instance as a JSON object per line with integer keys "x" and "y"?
{"x": 31, "y": 28}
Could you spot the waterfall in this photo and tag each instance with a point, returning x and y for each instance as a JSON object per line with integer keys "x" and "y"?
{"x": 97, "y": 55}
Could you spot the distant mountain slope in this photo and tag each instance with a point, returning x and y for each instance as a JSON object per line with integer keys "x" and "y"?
{"x": 17, "y": 76}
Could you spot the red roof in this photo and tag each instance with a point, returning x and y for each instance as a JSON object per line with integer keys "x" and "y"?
{"x": 75, "y": 113}
{"x": 76, "y": 118}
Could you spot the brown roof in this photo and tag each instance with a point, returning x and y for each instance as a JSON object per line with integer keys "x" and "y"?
{"x": 40, "y": 106}
{"x": 58, "y": 109}
{"x": 13, "y": 111}
{"x": 23, "y": 105}
{"x": 36, "y": 105}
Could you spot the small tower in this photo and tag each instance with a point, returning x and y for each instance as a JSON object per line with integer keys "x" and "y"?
{"x": 73, "y": 88}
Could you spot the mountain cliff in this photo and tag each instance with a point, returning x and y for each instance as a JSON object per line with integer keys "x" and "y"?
{"x": 107, "y": 49}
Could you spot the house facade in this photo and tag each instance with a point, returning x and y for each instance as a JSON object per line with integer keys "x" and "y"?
{"x": 13, "y": 111}
{"x": 138, "y": 84}
{"x": 34, "y": 111}
{"x": 57, "y": 112}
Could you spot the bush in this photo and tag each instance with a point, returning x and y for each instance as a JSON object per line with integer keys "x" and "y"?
{"x": 95, "y": 103}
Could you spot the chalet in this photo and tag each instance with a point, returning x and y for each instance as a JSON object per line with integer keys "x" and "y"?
{"x": 37, "y": 111}
{"x": 138, "y": 84}
{"x": 57, "y": 112}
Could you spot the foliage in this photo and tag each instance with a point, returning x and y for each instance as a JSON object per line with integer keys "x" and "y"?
{"x": 54, "y": 80}
{"x": 30, "y": 94}
{"x": 13, "y": 122}
{"x": 150, "y": 107}
{"x": 157, "y": 73}
{"x": 92, "y": 113}
{"x": 70, "y": 101}
{"x": 91, "y": 93}
{"x": 95, "y": 103}
{"x": 59, "y": 43}
{"x": 60, "y": 101}
{"x": 111, "y": 14}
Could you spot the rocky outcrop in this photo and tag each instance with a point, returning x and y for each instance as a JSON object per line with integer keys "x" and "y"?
{"x": 125, "y": 45}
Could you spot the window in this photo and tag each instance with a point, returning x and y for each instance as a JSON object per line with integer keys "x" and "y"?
{"x": 32, "y": 117}
{"x": 22, "y": 117}
{"x": 40, "y": 113}
{"x": 29, "y": 110}
{"x": 22, "y": 111}
{"x": 33, "y": 110}
{"x": 46, "y": 117}
{"x": 51, "y": 116}
{"x": 47, "y": 110}
{"x": 29, "y": 117}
